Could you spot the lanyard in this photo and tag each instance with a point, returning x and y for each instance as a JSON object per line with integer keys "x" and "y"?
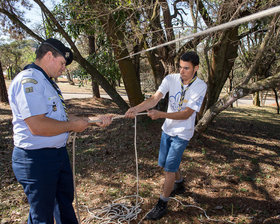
{"x": 183, "y": 91}
{"x": 55, "y": 86}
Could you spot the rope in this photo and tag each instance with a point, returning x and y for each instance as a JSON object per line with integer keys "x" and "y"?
{"x": 116, "y": 117}
{"x": 120, "y": 211}
{"x": 255, "y": 16}
{"x": 205, "y": 214}
{"x": 115, "y": 209}
{"x": 74, "y": 179}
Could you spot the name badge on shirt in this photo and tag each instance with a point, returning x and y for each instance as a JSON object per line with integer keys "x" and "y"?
{"x": 29, "y": 80}
{"x": 29, "y": 89}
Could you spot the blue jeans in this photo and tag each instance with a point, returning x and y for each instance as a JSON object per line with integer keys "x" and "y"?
{"x": 47, "y": 180}
{"x": 171, "y": 152}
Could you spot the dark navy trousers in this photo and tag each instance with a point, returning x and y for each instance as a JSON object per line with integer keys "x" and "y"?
{"x": 47, "y": 180}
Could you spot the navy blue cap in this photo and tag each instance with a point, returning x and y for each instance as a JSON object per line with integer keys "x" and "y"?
{"x": 61, "y": 49}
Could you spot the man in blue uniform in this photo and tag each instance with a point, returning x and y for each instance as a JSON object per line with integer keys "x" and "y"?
{"x": 41, "y": 126}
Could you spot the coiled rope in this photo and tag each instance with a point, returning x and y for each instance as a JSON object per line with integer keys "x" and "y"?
{"x": 119, "y": 211}
{"x": 123, "y": 212}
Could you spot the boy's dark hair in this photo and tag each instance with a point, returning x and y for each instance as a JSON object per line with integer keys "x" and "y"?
{"x": 190, "y": 56}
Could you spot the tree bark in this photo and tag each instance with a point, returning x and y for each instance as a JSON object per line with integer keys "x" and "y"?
{"x": 256, "y": 100}
{"x": 223, "y": 57}
{"x": 91, "y": 50}
{"x": 127, "y": 68}
{"x": 157, "y": 68}
{"x": 237, "y": 93}
{"x": 276, "y": 99}
{"x": 69, "y": 78}
{"x": 3, "y": 88}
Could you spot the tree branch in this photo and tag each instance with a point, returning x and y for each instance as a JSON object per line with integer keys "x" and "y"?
{"x": 16, "y": 21}
{"x": 237, "y": 93}
{"x": 59, "y": 27}
{"x": 261, "y": 50}
{"x": 206, "y": 18}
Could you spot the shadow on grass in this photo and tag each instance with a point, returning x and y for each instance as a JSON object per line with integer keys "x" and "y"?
{"x": 240, "y": 146}
{"x": 232, "y": 170}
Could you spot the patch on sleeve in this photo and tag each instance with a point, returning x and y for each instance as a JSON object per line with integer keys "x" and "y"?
{"x": 28, "y": 80}
{"x": 29, "y": 89}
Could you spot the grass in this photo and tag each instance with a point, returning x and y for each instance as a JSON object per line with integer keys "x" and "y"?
{"x": 231, "y": 170}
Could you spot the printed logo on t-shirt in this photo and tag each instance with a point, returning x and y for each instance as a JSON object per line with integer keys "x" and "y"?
{"x": 174, "y": 101}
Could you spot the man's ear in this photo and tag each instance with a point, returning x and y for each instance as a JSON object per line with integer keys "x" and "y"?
{"x": 196, "y": 68}
{"x": 48, "y": 55}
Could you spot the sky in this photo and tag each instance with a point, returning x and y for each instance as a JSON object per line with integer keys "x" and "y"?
{"x": 34, "y": 16}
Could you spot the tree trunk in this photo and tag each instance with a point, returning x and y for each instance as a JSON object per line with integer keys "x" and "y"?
{"x": 69, "y": 78}
{"x": 276, "y": 99}
{"x": 3, "y": 88}
{"x": 256, "y": 100}
{"x": 127, "y": 68}
{"x": 91, "y": 50}
{"x": 136, "y": 61}
{"x": 223, "y": 57}
{"x": 231, "y": 84}
{"x": 157, "y": 68}
{"x": 130, "y": 80}
{"x": 10, "y": 71}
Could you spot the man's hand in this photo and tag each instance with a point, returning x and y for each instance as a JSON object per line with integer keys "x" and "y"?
{"x": 78, "y": 124}
{"x": 131, "y": 113}
{"x": 102, "y": 120}
{"x": 45, "y": 126}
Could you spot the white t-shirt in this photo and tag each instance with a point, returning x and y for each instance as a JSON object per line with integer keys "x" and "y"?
{"x": 193, "y": 99}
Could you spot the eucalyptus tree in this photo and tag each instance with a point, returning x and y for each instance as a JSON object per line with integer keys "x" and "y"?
{"x": 110, "y": 18}
{"x": 13, "y": 19}
{"x": 13, "y": 57}
{"x": 269, "y": 43}
{"x": 3, "y": 89}
{"x": 99, "y": 50}
{"x": 248, "y": 48}
{"x": 131, "y": 26}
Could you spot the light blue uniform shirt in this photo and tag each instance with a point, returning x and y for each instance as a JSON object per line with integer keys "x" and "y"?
{"x": 31, "y": 94}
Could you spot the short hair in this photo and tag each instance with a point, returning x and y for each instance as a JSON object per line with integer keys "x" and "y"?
{"x": 43, "y": 49}
{"x": 190, "y": 56}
